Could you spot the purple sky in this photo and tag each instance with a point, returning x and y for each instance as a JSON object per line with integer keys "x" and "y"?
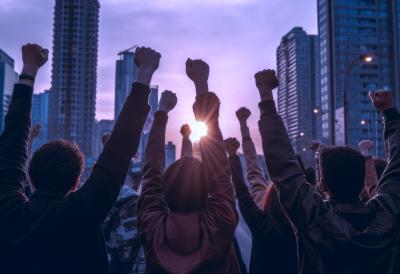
{"x": 236, "y": 37}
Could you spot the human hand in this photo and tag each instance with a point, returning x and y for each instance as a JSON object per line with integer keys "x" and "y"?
{"x": 148, "y": 61}
{"x": 34, "y": 132}
{"x": 168, "y": 101}
{"x": 382, "y": 100}
{"x": 186, "y": 131}
{"x": 315, "y": 146}
{"x": 198, "y": 71}
{"x": 243, "y": 114}
{"x": 266, "y": 81}
{"x": 231, "y": 146}
{"x": 365, "y": 147}
{"x": 33, "y": 57}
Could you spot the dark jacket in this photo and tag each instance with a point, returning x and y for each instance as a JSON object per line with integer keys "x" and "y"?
{"x": 188, "y": 242}
{"x": 337, "y": 238}
{"x": 273, "y": 250}
{"x": 49, "y": 233}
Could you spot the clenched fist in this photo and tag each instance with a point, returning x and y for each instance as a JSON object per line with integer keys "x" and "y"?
{"x": 148, "y": 61}
{"x": 33, "y": 57}
{"x": 266, "y": 81}
{"x": 168, "y": 101}
{"x": 382, "y": 100}
{"x": 365, "y": 147}
{"x": 186, "y": 131}
{"x": 198, "y": 71}
{"x": 231, "y": 146}
{"x": 243, "y": 114}
{"x": 34, "y": 132}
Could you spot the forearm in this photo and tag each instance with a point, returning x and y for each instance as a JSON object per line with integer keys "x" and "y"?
{"x": 371, "y": 179}
{"x": 187, "y": 147}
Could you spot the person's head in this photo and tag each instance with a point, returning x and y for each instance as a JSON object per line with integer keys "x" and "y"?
{"x": 272, "y": 206}
{"x": 185, "y": 185}
{"x": 380, "y": 166}
{"x": 343, "y": 173}
{"x": 56, "y": 167}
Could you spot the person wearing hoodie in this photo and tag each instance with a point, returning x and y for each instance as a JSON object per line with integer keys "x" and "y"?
{"x": 58, "y": 229}
{"x": 123, "y": 243}
{"x": 274, "y": 247}
{"x": 187, "y": 214}
{"x": 340, "y": 235}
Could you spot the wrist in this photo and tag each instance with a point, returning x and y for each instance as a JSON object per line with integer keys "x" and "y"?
{"x": 201, "y": 87}
{"x": 144, "y": 76}
{"x": 266, "y": 94}
{"x": 30, "y": 70}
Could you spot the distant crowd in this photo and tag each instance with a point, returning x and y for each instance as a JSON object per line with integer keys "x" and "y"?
{"x": 198, "y": 215}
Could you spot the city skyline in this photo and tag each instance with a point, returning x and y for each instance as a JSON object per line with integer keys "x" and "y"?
{"x": 237, "y": 49}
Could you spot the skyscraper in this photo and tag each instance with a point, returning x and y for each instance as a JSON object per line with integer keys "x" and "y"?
{"x": 40, "y": 115}
{"x": 349, "y": 31}
{"x": 8, "y": 77}
{"x": 125, "y": 75}
{"x": 298, "y": 93}
{"x": 170, "y": 154}
{"x": 74, "y": 72}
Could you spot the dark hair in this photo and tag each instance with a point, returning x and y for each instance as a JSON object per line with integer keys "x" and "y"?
{"x": 380, "y": 166}
{"x": 56, "y": 167}
{"x": 273, "y": 208}
{"x": 343, "y": 172}
{"x": 185, "y": 185}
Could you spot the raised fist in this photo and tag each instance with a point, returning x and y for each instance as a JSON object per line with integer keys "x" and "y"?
{"x": 186, "y": 131}
{"x": 33, "y": 57}
{"x": 34, "y": 132}
{"x": 243, "y": 114}
{"x": 382, "y": 100}
{"x": 266, "y": 80}
{"x": 168, "y": 101}
{"x": 147, "y": 58}
{"x": 198, "y": 71}
{"x": 231, "y": 146}
{"x": 365, "y": 147}
{"x": 315, "y": 145}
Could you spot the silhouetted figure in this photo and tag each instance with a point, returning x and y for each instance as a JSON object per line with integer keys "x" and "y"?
{"x": 58, "y": 230}
{"x": 274, "y": 247}
{"x": 342, "y": 234}
{"x": 187, "y": 214}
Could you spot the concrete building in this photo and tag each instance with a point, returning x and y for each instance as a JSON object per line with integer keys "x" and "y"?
{"x": 40, "y": 115}
{"x": 298, "y": 93}
{"x": 102, "y": 127}
{"x": 74, "y": 72}
{"x": 8, "y": 77}
{"x": 350, "y": 31}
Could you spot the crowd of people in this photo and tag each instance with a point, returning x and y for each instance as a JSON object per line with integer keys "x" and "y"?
{"x": 339, "y": 217}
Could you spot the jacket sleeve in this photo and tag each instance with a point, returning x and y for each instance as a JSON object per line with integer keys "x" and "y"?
{"x": 254, "y": 174}
{"x": 300, "y": 200}
{"x": 249, "y": 209}
{"x": 388, "y": 192}
{"x": 221, "y": 203}
{"x": 187, "y": 148}
{"x": 152, "y": 204}
{"x": 101, "y": 189}
{"x": 13, "y": 151}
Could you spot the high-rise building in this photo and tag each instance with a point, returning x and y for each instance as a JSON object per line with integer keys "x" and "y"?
{"x": 74, "y": 72}
{"x": 350, "y": 31}
{"x": 298, "y": 93}
{"x": 102, "y": 127}
{"x": 125, "y": 75}
{"x": 8, "y": 77}
{"x": 40, "y": 115}
{"x": 170, "y": 154}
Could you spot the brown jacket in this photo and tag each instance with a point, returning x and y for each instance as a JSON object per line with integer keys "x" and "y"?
{"x": 193, "y": 242}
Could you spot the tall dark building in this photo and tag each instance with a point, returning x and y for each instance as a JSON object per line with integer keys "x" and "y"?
{"x": 40, "y": 115}
{"x": 74, "y": 72}
{"x": 299, "y": 92}
{"x": 8, "y": 77}
{"x": 349, "y": 31}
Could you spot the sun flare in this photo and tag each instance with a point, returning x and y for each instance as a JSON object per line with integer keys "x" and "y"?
{"x": 199, "y": 129}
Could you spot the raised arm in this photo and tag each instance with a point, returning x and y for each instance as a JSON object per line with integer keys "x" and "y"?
{"x": 187, "y": 146}
{"x": 151, "y": 202}
{"x": 302, "y": 203}
{"x": 254, "y": 173}
{"x": 371, "y": 179}
{"x": 101, "y": 189}
{"x": 388, "y": 190}
{"x": 251, "y": 212}
{"x": 221, "y": 204}
{"x": 14, "y": 138}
